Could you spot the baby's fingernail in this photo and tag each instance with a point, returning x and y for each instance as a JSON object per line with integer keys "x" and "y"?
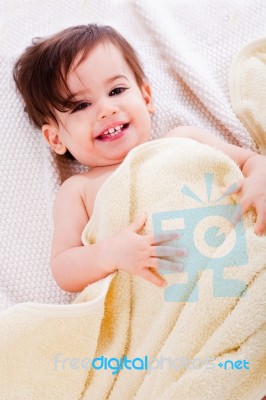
{"x": 164, "y": 284}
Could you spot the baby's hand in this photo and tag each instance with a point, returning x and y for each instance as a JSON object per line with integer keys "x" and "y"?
{"x": 252, "y": 193}
{"x": 135, "y": 253}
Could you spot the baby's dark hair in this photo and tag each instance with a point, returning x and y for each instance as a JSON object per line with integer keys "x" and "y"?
{"x": 41, "y": 71}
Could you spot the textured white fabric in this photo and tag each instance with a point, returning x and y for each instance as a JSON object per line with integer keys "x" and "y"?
{"x": 248, "y": 90}
{"x": 186, "y": 47}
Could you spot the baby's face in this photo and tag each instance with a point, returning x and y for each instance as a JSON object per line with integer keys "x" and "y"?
{"x": 113, "y": 114}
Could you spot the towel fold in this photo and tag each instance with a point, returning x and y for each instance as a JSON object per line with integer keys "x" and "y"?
{"x": 205, "y": 332}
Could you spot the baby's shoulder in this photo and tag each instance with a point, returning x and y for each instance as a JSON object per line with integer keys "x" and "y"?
{"x": 76, "y": 180}
{"x": 75, "y": 184}
{"x": 85, "y": 186}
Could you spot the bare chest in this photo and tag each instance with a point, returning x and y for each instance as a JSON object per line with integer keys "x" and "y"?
{"x": 94, "y": 181}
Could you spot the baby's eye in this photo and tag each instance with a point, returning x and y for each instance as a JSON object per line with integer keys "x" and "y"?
{"x": 116, "y": 91}
{"x": 81, "y": 106}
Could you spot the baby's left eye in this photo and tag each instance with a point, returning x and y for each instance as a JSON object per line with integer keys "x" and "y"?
{"x": 117, "y": 91}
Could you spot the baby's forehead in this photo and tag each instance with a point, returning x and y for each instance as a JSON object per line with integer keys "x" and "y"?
{"x": 103, "y": 59}
{"x": 102, "y": 50}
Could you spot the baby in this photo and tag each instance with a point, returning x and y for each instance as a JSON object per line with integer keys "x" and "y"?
{"x": 85, "y": 89}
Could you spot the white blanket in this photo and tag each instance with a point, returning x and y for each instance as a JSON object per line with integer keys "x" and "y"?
{"x": 186, "y": 48}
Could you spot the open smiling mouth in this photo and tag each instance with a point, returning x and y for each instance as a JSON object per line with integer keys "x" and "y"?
{"x": 118, "y": 132}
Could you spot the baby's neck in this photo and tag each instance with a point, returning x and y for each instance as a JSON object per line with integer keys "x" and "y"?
{"x": 105, "y": 168}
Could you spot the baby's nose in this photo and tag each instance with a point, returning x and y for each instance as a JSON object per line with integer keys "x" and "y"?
{"x": 107, "y": 111}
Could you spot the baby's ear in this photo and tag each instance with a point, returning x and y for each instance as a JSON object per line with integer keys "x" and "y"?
{"x": 50, "y": 134}
{"x": 147, "y": 95}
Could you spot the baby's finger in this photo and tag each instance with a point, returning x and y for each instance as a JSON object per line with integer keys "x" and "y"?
{"x": 237, "y": 215}
{"x": 245, "y": 203}
{"x": 138, "y": 223}
{"x": 167, "y": 251}
{"x": 260, "y": 225}
{"x": 233, "y": 188}
{"x": 169, "y": 265}
{"x": 156, "y": 238}
{"x": 152, "y": 277}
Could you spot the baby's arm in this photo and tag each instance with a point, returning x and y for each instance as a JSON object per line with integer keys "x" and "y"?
{"x": 74, "y": 266}
{"x": 237, "y": 153}
{"x": 252, "y": 188}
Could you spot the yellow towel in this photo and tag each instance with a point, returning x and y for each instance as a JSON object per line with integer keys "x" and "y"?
{"x": 204, "y": 346}
{"x": 248, "y": 90}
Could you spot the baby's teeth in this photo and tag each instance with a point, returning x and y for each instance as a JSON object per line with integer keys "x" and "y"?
{"x": 114, "y": 130}
{"x": 115, "y": 133}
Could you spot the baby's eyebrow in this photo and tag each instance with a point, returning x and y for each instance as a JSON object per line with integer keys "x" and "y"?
{"x": 113, "y": 78}
{"x": 86, "y": 90}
